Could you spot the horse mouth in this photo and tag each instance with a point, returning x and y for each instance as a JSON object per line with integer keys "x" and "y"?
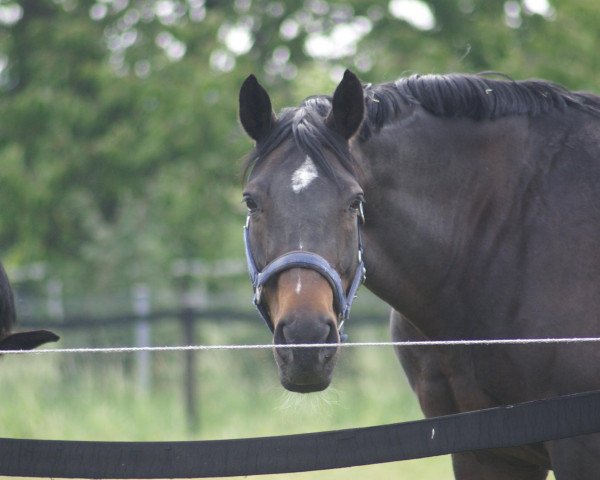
{"x": 306, "y": 371}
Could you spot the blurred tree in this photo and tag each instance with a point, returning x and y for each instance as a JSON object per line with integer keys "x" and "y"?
{"x": 108, "y": 167}
{"x": 119, "y": 144}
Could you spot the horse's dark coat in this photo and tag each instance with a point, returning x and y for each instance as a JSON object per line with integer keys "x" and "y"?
{"x": 20, "y": 340}
{"x": 483, "y": 221}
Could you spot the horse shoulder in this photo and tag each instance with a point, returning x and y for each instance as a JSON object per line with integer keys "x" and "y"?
{"x": 442, "y": 377}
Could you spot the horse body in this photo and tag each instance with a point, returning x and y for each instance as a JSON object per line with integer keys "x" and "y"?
{"x": 495, "y": 239}
{"x": 482, "y": 221}
{"x": 513, "y": 254}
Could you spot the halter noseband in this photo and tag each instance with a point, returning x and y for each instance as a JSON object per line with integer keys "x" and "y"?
{"x": 300, "y": 259}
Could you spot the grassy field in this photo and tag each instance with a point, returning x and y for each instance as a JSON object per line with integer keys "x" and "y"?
{"x": 95, "y": 397}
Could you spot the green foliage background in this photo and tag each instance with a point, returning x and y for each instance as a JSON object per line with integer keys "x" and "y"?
{"x": 119, "y": 143}
{"x": 120, "y": 153}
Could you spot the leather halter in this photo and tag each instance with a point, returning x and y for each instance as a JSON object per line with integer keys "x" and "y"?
{"x": 301, "y": 259}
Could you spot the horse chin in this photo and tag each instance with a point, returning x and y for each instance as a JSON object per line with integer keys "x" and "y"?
{"x": 305, "y": 388}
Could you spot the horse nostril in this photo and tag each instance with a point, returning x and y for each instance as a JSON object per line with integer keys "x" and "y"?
{"x": 333, "y": 336}
{"x": 285, "y": 353}
{"x": 307, "y": 368}
{"x": 328, "y": 353}
{"x": 279, "y": 338}
{"x": 279, "y": 335}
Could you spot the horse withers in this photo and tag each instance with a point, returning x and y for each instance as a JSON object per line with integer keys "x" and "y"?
{"x": 480, "y": 202}
{"x": 18, "y": 340}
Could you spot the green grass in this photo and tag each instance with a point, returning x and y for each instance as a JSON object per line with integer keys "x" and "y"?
{"x": 95, "y": 397}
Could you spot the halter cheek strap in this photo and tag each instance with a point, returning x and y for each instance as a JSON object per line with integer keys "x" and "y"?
{"x": 300, "y": 259}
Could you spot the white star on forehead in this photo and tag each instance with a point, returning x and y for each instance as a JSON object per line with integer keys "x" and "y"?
{"x": 304, "y": 176}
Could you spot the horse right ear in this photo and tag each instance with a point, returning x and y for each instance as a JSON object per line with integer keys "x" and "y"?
{"x": 256, "y": 113}
{"x": 347, "y": 106}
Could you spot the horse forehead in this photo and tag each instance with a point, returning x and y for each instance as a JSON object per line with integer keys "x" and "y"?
{"x": 292, "y": 172}
{"x": 304, "y": 175}
{"x": 289, "y": 173}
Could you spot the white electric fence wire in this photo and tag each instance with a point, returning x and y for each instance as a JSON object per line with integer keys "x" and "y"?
{"x": 425, "y": 343}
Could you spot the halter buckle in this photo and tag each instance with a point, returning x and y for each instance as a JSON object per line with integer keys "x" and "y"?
{"x": 361, "y": 213}
{"x": 258, "y": 295}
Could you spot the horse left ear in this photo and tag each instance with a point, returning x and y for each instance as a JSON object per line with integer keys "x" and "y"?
{"x": 347, "y": 106}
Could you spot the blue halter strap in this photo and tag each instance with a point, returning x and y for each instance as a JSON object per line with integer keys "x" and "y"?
{"x": 300, "y": 259}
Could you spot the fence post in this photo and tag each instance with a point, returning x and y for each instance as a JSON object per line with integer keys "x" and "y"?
{"x": 188, "y": 325}
{"x": 54, "y": 303}
{"x": 190, "y": 384}
{"x": 142, "y": 333}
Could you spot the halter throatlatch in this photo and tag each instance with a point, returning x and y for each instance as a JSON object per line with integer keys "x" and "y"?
{"x": 300, "y": 259}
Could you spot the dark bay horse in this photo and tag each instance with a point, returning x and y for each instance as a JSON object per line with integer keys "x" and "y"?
{"x": 481, "y": 203}
{"x": 19, "y": 340}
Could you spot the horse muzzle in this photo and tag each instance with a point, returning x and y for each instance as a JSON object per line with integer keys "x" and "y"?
{"x": 303, "y": 314}
{"x": 309, "y": 368}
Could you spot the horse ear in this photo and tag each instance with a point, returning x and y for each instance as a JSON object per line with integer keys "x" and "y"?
{"x": 256, "y": 113}
{"x": 348, "y": 106}
{"x": 27, "y": 340}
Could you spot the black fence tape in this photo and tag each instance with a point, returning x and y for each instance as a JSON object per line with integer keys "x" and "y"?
{"x": 507, "y": 426}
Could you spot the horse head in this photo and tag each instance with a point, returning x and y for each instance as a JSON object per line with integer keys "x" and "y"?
{"x": 19, "y": 340}
{"x": 302, "y": 234}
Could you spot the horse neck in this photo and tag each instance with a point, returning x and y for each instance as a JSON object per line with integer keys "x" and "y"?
{"x": 430, "y": 185}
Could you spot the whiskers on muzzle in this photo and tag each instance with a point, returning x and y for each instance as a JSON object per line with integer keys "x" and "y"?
{"x": 317, "y": 403}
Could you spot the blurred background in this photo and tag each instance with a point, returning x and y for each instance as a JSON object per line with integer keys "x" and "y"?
{"x": 120, "y": 189}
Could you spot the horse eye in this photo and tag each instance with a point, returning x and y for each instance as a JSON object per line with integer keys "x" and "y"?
{"x": 356, "y": 203}
{"x": 251, "y": 204}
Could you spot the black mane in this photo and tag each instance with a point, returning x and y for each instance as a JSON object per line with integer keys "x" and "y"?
{"x": 470, "y": 96}
{"x": 453, "y": 95}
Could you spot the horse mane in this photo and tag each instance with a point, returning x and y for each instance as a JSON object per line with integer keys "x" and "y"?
{"x": 469, "y": 96}
{"x": 7, "y": 304}
{"x": 453, "y": 95}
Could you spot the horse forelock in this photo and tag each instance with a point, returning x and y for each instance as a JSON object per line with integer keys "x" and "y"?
{"x": 306, "y": 127}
